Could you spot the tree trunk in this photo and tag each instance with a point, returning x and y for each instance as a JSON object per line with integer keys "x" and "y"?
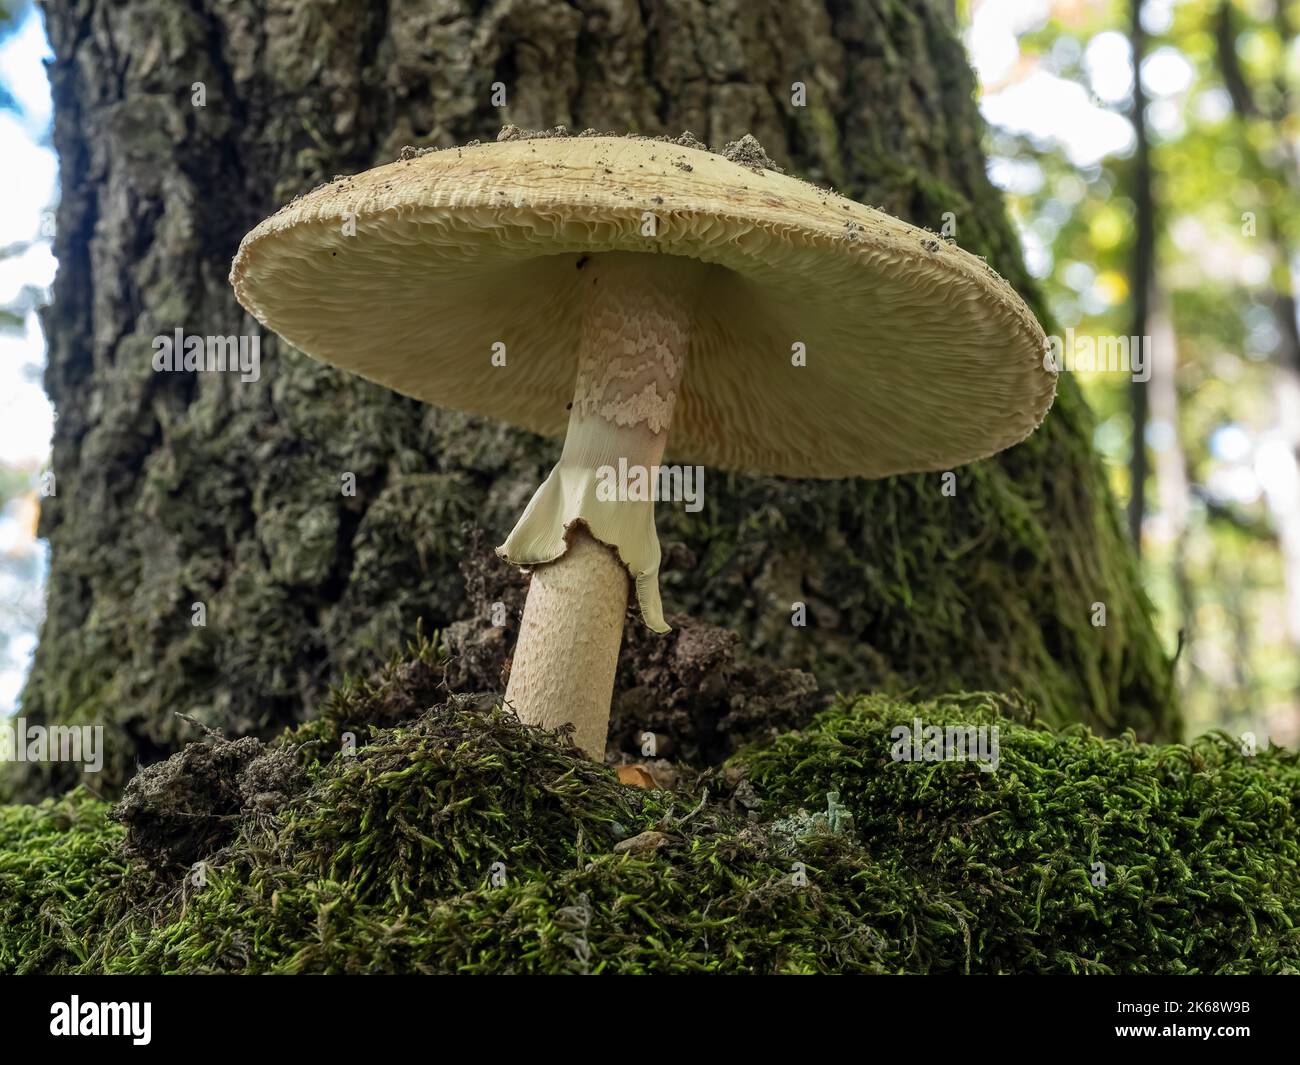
{"x": 178, "y": 489}
{"x": 1142, "y": 276}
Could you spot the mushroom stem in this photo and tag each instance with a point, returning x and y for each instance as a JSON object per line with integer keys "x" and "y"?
{"x": 591, "y": 523}
{"x": 563, "y": 668}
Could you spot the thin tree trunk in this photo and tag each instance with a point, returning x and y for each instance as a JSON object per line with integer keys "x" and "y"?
{"x": 1283, "y": 490}
{"x": 1143, "y": 276}
{"x": 1172, "y": 485}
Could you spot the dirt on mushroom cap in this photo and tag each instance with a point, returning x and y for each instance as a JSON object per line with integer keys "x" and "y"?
{"x": 746, "y": 150}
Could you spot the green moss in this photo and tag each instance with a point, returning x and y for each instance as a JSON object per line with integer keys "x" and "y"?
{"x": 60, "y": 874}
{"x": 460, "y": 841}
{"x": 1200, "y": 844}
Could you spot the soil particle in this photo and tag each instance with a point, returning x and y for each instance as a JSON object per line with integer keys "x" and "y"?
{"x": 746, "y": 796}
{"x": 411, "y": 152}
{"x": 176, "y": 812}
{"x": 646, "y": 841}
{"x": 514, "y": 133}
{"x": 749, "y": 152}
{"x": 271, "y": 780}
{"x": 686, "y": 139}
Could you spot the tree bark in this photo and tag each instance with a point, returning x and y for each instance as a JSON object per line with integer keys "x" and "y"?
{"x": 177, "y": 489}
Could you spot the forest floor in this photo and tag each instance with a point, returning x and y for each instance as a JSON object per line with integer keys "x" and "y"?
{"x": 407, "y": 829}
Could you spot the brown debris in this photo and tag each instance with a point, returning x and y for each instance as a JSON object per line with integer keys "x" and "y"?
{"x": 176, "y": 812}
{"x": 511, "y": 132}
{"x": 637, "y": 776}
{"x": 409, "y": 151}
{"x": 699, "y": 696}
{"x": 749, "y": 152}
{"x": 687, "y": 139}
{"x": 693, "y": 689}
{"x": 480, "y": 650}
{"x": 646, "y": 841}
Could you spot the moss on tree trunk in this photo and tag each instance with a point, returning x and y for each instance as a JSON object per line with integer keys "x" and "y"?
{"x": 177, "y": 489}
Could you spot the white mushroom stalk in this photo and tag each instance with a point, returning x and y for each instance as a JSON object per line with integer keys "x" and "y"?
{"x": 583, "y": 541}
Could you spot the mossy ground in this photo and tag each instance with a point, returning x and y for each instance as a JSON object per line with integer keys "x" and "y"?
{"x": 456, "y": 840}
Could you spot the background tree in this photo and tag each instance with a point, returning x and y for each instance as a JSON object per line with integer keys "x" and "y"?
{"x": 1221, "y": 517}
{"x": 179, "y": 127}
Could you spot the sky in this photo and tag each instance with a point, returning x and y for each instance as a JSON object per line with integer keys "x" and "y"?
{"x": 1051, "y": 109}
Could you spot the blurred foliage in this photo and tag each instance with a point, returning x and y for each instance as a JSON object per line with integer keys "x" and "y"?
{"x": 12, "y": 12}
{"x": 22, "y": 561}
{"x": 1224, "y": 205}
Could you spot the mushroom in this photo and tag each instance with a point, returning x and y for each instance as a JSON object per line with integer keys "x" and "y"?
{"x": 612, "y": 288}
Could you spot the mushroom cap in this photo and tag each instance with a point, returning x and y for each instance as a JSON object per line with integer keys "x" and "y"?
{"x": 917, "y": 355}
